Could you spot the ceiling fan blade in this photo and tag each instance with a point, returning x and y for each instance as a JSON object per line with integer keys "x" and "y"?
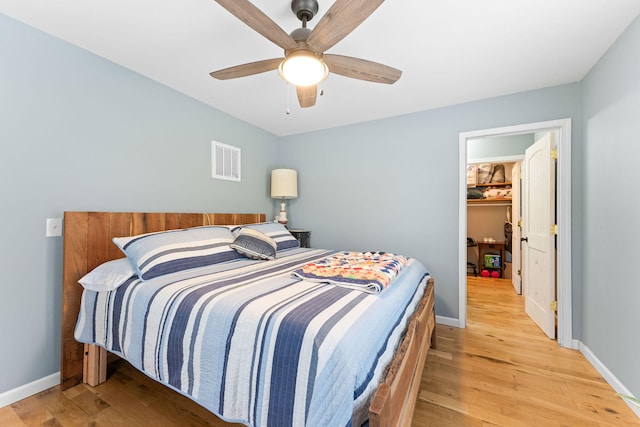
{"x": 361, "y": 69}
{"x": 245, "y": 11}
{"x": 341, "y": 18}
{"x": 247, "y": 69}
{"x": 307, "y": 95}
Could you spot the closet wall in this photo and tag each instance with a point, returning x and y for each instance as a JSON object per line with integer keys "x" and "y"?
{"x": 486, "y": 221}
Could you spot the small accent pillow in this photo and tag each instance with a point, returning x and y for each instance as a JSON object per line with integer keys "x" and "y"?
{"x": 108, "y": 276}
{"x": 157, "y": 254}
{"x": 278, "y": 232}
{"x": 254, "y": 244}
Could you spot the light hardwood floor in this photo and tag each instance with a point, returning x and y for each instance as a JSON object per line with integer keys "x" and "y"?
{"x": 504, "y": 371}
{"x": 499, "y": 371}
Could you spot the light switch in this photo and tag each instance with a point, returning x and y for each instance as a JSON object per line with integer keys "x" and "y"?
{"x": 54, "y": 227}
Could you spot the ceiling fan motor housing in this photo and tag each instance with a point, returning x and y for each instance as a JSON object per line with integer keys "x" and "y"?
{"x": 305, "y": 10}
{"x": 300, "y": 34}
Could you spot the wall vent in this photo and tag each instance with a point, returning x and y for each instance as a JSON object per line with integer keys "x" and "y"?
{"x": 225, "y": 161}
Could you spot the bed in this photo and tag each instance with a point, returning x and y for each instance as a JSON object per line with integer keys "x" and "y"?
{"x": 381, "y": 387}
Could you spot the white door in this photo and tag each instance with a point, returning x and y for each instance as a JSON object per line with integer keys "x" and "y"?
{"x": 538, "y": 249}
{"x": 516, "y": 279}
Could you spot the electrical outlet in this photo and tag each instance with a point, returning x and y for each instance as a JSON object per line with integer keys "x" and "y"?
{"x": 54, "y": 227}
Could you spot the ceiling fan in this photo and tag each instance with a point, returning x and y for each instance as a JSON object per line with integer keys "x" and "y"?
{"x": 304, "y": 48}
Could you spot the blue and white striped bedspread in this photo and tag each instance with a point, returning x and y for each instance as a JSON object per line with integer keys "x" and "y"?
{"x": 254, "y": 345}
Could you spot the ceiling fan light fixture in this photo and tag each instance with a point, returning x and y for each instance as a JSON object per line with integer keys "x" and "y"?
{"x": 303, "y": 68}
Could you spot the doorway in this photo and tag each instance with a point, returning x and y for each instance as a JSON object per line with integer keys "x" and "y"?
{"x": 493, "y": 208}
{"x": 563, "y": 129}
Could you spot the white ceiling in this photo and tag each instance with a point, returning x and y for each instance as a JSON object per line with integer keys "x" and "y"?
{"x": 450, "y": 51}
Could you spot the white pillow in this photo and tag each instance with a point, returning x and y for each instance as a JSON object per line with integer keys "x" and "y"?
{"x": 108, "y": 276}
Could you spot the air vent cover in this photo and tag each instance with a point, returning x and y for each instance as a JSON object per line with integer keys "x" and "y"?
{"x": 225, "y": 161}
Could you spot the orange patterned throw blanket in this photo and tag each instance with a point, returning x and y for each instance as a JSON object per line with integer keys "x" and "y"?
{"x": 370, "y": 272}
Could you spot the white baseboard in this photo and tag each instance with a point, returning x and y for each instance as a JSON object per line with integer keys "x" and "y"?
{"x": 19, "y": 393}
{"x": 447, "y": 321}
{"x": 614, "y": 382}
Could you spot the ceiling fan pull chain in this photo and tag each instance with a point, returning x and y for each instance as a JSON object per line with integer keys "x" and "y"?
{"x": 288, "y": 111}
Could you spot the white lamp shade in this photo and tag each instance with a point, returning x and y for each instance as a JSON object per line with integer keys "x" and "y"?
{"x": 284, "y": 184}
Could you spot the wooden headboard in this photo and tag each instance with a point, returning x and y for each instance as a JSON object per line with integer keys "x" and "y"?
{"x": 87, "y": 244}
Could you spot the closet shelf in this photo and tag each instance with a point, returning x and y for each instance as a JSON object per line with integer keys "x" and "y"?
{"x": 490, "y": 201}
{"x": 494, "y": 184}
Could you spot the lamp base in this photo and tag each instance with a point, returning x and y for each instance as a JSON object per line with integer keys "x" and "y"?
{"x": 283, "y": 222}
{"x": 282, "y": 218}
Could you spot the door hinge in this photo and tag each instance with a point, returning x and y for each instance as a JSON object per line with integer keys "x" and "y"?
{"x": 554, "y": 153}
{"x": 554, "y": 229}
{"x": 520, "y": 223}
{"x": 519, "y": 272}
{"x": 554, "y": 305}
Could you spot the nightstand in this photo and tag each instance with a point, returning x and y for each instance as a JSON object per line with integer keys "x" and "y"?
{"x": 303, "y": 236}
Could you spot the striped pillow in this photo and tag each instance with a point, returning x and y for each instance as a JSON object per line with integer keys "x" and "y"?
{"x": 278, "y": 232}
{"x": 157, "y": 254}
{"x": 254, "y": 244}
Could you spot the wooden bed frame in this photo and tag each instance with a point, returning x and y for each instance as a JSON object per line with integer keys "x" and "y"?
{"x": 87, "y": 244}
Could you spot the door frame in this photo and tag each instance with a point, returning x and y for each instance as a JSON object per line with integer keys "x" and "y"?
{"x": 563, "y": 206}
{"x": 516, "y": 214}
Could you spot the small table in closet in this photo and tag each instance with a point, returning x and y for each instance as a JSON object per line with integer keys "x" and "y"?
{"x": 491, "y": 248}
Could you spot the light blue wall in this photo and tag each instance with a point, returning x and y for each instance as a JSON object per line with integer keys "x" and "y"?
{"x": 393, "y": 184}
{"x": 78, "y": 132}
{"x": 611, "y": 105}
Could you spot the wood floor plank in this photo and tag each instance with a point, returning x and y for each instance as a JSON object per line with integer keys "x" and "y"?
{"x": 33, "y": 410}
{"x": 9, "y": 418}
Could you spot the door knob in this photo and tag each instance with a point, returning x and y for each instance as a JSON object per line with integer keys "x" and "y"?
{"x": 524, "y": 239}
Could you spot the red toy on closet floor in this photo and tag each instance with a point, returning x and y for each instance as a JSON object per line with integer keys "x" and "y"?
{"x": 486, "y": 273}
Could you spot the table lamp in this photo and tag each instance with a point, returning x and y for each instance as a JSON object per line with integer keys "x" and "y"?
{"x": 284, "y": 185}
